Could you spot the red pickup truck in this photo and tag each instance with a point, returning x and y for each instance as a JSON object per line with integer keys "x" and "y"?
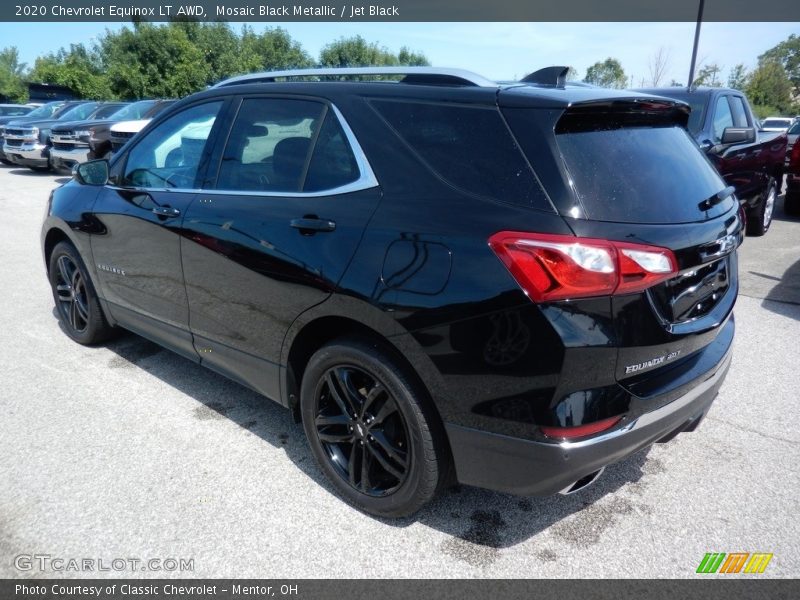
{"x": 751, "y": 161}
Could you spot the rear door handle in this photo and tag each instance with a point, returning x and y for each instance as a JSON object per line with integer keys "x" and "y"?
{"x": 166, "y": 211}
{"x": 311, "y": 225}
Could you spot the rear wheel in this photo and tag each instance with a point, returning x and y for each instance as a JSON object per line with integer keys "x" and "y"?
{"x": 76, "y": 300}
{"x": 371, "y": 429}
{"x": 760, "y": 218}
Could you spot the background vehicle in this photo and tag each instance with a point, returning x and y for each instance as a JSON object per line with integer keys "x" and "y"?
{"x": 28, "y": 143}
{"x": 14, "y": 110}
{"x": 791, "y": 200}
{"x": 791, "y": 139}
{"x": 429, "y": 272}
{"x": 70, "y": 141}
{"x": 100, "y": 138}
{"x": 123, "y": 131}
{"x": 46, "y": 111}
{"x": 777, "y": 123}
{"x": 725, "y": 129}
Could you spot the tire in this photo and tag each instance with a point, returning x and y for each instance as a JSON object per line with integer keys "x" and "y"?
{"x": 371, "y": 429}
{"x": 791, "y": 204}
{"x": 76, "y": 301}
{"x": 760, "y": 217}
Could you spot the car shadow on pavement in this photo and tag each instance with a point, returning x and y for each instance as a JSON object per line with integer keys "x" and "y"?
{"x": 480, "y": 522}
{"x": 28, "y": 172}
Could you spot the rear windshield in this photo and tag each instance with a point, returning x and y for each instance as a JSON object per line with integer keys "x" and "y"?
{"x": 776, "y": 123}
{"x": 641, "y": 175}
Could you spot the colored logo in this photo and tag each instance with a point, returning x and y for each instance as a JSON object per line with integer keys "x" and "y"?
{"x": 735, "y": 562}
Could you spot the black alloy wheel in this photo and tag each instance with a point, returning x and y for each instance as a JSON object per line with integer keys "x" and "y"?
{"x": 76, "y": 301}
{"x": 73, "y": 305}
{"x": 372, "y": 428}
{"x": 362, "y": 430}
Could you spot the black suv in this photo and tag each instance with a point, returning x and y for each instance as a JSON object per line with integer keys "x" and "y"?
{"x": 446, "y": 279}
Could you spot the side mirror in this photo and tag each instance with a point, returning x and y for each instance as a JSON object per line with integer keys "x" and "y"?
{"x": 94, "y": 172}
{"x": 738, "y": 135}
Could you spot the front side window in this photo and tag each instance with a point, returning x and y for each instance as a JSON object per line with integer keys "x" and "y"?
{"x": 169, "y": 156}
{"x": 722, "y": 117}
{"x": 269, "y": 146}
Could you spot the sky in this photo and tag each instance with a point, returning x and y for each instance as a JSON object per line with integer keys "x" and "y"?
{"x": 495, "y": 50}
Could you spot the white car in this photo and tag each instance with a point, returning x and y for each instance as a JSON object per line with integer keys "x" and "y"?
{"x": 124, "y": 130}
{"x": 777, "y": 124}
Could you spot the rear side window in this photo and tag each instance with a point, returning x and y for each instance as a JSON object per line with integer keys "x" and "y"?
{"x": 739, "y": 114}
{"x": 641, "y": 175}
{"x": 469, "y": 147}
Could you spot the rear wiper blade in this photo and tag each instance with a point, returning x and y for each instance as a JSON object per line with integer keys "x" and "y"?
{"x": 716, "y": 198}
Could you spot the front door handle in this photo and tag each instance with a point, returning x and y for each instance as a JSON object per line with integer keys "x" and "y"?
{"x": 166, "y": 211}
{"x": 309, "y": 225}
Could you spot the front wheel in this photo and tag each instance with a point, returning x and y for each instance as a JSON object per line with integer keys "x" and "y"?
{"x": 76, "y": 301}
{"x": 760, "y": 219}
{"x": 371, "y": 429}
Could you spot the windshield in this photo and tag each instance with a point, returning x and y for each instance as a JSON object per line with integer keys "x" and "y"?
{"x": 79, "y": 113}
{"x": 641, "y": 175}
{"x": 780, "y": 123}
{"x": 14, "y": 111}
{"x": 795, "y": 128}
{"x": 45, "y": 111}
{"x": 133, "y": 112}
{"x": 104, "y": 112}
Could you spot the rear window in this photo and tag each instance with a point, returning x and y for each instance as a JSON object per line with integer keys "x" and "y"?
{"x": 641, "y": 175}
{"x": 782, "y": 123}
{"x": 468, "y": 147}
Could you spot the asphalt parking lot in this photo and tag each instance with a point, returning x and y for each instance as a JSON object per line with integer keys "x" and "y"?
{"x": 129, "y": 451}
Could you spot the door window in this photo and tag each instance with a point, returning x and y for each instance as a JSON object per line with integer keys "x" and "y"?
{"x": 169, "y": 156}
{"x": 270, "y": 145}
{"x": 739, "y": 114}
{"x": 722, "y": 117}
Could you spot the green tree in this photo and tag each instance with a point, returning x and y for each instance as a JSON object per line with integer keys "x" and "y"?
{"x": 608, "y": 73}
{"x": 357, "y": 52}
{"x": 153, "y": 61}
{"x": 272, "y": 49}
{"x": 79, "y": 68}
{"x": 709, "y": 75}
{"x": 787, "y": 53}
{"x": 770, "y": 88}
{"x": 218, "y": 44}
{"x": 11, "y": 76}
{"x": 738, "y": 77}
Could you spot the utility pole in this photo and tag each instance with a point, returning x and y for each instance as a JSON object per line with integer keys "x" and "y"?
{"x": 696, "y": 41}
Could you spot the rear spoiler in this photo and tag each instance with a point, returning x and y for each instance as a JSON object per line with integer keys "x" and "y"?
{"x": 619, "y": 113}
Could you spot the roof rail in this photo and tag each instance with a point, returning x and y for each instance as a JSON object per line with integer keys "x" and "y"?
{"x": 429, "y": 75}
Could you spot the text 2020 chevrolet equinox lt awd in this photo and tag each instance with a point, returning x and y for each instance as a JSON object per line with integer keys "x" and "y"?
{"x": 447, "y": 279}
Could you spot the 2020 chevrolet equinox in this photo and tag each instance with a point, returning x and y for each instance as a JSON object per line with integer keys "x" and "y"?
{"x": 445, "y": 278}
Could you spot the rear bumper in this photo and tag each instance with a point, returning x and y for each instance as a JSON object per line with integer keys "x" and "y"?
{"x": 64, "y": 160}
{"x": 532, "y": 468}
{"x": 29, "y": 154}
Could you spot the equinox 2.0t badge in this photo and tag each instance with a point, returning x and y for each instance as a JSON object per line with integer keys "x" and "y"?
{"x": 110, "y": 269}
{"x": 652, "y": 362}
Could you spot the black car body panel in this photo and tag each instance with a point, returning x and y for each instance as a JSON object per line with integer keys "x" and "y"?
{"x": 248, "y": 282}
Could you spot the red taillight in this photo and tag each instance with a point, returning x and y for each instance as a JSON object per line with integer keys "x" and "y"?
{"x": 571, "y": 433}
{"x": 558, "y": 267}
